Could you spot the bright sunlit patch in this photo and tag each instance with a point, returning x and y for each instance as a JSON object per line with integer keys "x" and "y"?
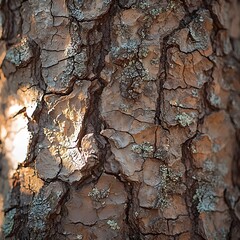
{"x": 13, "y": 109}
{"x": 20, "y": 145}
{"x": 30, "y": 110}
{"x": 17, "y": 140}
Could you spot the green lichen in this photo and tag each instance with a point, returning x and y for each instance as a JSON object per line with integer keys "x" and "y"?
{"x": 97, "y": 194}
{"x": 185, "y": 119}
{"x": 143, "y": 52}
{"x": 79, "y": 236}
{"x": 195, "y": 93}
{"x": 162, "y": 153}
{"x": 171, "y": 5}
{"x": 127, "y": 50}
{"x": 123, "y": 30}
{"x": 43, "y": 205}
{"x": 213, "y": 178}
{"x": 170, "y": 183}
{"x": 76, "y": 13}
{"x": 209, "y": 166}
{"x": 168, "y": 175}
{"x": 145, "y": 149}
{"x": 113, "y": 225}
{"x": 193, "y": 149}
{"x": 216, "y": 171}
{"x": 135, "y": 69}
{"x": 9, "y": 222}
{"x": 124, "y": 107}
{"x": 39, "y": 211}
{"x": 80, "y": 63}
{"x": 216, "y": 148}
{"x": 154, "y": 61}
{"x": 151, "y": 10}
{"x": 20, "y": 54}
{"x": 106, "y": 1}
{"x": 133, "y": 79}
{"x": 222, "y": 168}
{"x": 144, "y": 5}
{"x": 206, "y": 198}
{"x": 215, "y": 100}
{"x": 154, "y": 12}
{"x": 162, "y": 201}
{"x": 143, "y": 32}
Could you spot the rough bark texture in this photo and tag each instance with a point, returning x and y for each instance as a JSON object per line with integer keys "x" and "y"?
{"x": 120, "y": 119}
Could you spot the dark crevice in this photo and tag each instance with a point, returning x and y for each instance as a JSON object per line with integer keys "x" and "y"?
{"x": 191, "y": 185}
{"x": 34, "y": 122}
{"x": 164, "y": 63}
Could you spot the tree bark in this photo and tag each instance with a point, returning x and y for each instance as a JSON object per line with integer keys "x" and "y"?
{"x": 120, "y": 119}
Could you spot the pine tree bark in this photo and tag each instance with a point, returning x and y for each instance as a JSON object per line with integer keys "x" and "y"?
{"x": 120, "y": 119}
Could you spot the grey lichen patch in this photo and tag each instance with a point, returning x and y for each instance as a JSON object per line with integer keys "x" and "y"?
{"x": 171, "y": 5}
{"x": 144, "y": 5}
{"x": 123, "y": 29}
{"x": 200, "y": 31}
{"x": 38, "y": 214}
{"x": 79, "y": 236}
{"x": 145, "y": 149}
{"x": 113, "y": 225}
{"x": 88, "y": 12}
{"x": 127, "y": 50}
{"x": 185, "y": 119}
{"x": 168, "y": 175}
{"x": 214, "y": 100}
{"x": 9, "y": 222}
{"x": 98, "y": 195}
{"x": 151, "y": 11}
{"x": 206, "y": 198}
{"x": 20, "y": 54}
{"x": 216, "y": 148}
{"x": 124, "y": 107}
{"x": 170, "y": 183}
{"x": 154, "y": 61}
{"x": 154, "y": 12}
{"x": 80, "y": 64}
{"x": 195, "y": 93}
{"x": 135, "y": 69}
{"x": 133, "y": 80}
{"x": 208, "y": 166}
{"x": 209, "y": 182}
{"x": 162, "y": 153}
{"x": 76, "y": 13}
{"x": 162, "y": 201}
{"x": 59, "y": 76}
{"x": 143, "y": 52}
{"x": 193, "y": 149}
{"x": 43, "y": 205}
{"x": 216, "y": 172}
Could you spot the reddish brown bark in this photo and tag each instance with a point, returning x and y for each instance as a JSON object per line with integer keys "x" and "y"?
{"x": 120, "y": 119}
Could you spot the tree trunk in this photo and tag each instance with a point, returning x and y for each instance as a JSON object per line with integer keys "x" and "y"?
{"x": 120, "y": 119}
